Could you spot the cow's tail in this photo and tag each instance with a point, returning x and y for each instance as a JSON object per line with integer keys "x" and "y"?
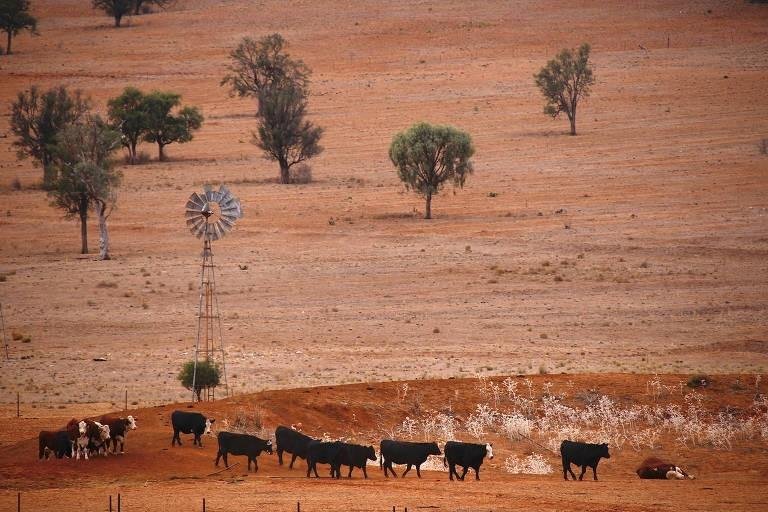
{"x": 381, "y": 460}
{"x": 445, "y": 464}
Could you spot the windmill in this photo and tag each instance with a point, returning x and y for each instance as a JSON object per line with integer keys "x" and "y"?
{"x": 210, "y": 216}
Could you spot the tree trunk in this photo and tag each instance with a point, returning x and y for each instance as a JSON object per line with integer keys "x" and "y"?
{"x": 572, "y": 119}
{"x": 137, "y": 7}
{"x": 118, "y": 17}
{"x": 84, "y": 223}
{"x": 101, "y": 211}
{"x": 160, "y": 146}
{"x": 8, "y": 46}
{"x": 428, "y": 212}
{"x": 285, "y": 174}
{"x": 132, "y": 152}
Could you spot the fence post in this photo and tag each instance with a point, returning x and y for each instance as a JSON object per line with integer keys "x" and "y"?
{"x": 18, "y": 502}
{"x": 203, "y": 504}
{"x": 18, "y": 410}
{"x": 126, "y": 400}
{"x": 118, "y": 502}
{"x": 298, "y": 506}
{"x": 110, "y": 503}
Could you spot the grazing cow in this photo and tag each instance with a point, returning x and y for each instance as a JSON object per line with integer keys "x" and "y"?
{"x": 118, "y": 429}
{"x": 582, "y": 454}
{"x": 404, "y": 452}
{"x": 325, "y": 453}
{"x": 357, "y": 456}
{"x": 57, "y": 443}
{"x": 242, "y": 444}
{"x": 291, "y": 441}
{"x": 656, "y": 469}
{"x": 190, "y": 423}
{"x": 466, "y": 455}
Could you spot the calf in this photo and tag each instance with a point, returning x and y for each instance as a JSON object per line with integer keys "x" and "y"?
{"x": 242, "y": 444}
{"x": 405, "y": 452}
{"x": 656, "y": 469}
{"x": 291, "y": 441}
{"x": 118, "y": 429}
{"x": 190, "y": 423}
{"x": 58, "y": 443}
{"x": 466, "y": 455}
{"x": 325, "y": 453}
{"x": 582, "y": 454}
{"x": 357, "y": 456}
{"x": 95, "y": 436}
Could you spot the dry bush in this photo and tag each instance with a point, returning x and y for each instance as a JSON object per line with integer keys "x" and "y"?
{"x": 301, "y": 174}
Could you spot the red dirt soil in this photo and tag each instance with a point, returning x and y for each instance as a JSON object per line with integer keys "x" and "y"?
{"x": 638, "y": 246}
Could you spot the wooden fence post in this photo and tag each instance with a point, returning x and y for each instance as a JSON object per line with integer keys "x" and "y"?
{"x": 18, "y": 401}
{"x": 126, "y": 400}
{"x": 118, "y": 502}
{"x": 110, "y": 503}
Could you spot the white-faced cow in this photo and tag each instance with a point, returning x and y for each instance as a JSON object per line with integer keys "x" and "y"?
{"x": 357, "y": 456}
{"x": 291, "y": 441}
{"x": 582, "y": 454}
{"x": 190, "y": 423}
{"x": 92, "y": 434}
{"x": 118, "y": 430}
{"x": 242, "y": 444}
{"x": 466, "y": 455}
{"x": 656, "y": 469}
{"x": 57, "y": 443}
{"x": 325, "y": 453}
{"x": 405, "y": 452}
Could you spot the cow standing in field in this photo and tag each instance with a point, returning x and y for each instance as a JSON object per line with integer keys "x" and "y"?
{"x": 91, "y": 434}
{"x": 357, "y": 456}
{"x": 190, "y": 423}
{"x": 291, "y": 441}
{"x": 656, "y": 469}
{"x": 466, "y": 455}
{"x": 325, "y": 453}
{"x": 242, "y": 444}
{"x": 118, "y": 429}
{"x": 582, "y": 454}
{"x": 405, "y": 452}
{"x": 58, "y": 443}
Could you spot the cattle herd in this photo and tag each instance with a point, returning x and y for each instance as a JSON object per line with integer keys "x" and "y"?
{"x": 89, "y": 437}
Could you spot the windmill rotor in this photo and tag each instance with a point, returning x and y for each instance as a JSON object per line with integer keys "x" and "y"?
{"x": 213, "y": 213}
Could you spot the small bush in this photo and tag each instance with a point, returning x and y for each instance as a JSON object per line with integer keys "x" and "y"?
{"x": 699, "y": 381}
{"x": 763, "y": 147}
{"x": 301, "y": 174}
{"x": 15, "y": 184}
{"x": 16, "y": 336}
{"x": 106, "y": 284}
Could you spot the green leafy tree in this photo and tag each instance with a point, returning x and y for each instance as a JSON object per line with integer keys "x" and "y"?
{"x": 564, "y": 81}
{"x": 127, "y": 113}
{"x": 37, "y": 117}
{"x": 86, "y": 176}
{"x": 263, "y": 65}
{"x": 15, "y": 17}
{"x": 427, "y": 156}
{"x": 208, "y": 376}
{"x": 284, "y": 134}
{"x": 115, "y": 8}
{"x": 163, "y": 127}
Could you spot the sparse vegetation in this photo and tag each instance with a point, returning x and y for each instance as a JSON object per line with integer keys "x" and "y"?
{"x": 427, "y": 156}
{"x": 162, "y": 126}
{"x": 115, "y": 8}
{"x": 564, "y": 81}
{"x": 15, "y": 17}
{"x": 207, "y": 376}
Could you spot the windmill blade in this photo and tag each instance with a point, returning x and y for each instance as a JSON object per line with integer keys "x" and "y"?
{"x": 227, "y": 223}
{"x": 193, "y": 213}
{"x": 222, "y": 227}
{"x": 195, "y": 202}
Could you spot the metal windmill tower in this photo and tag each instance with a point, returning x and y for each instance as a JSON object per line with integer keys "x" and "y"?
{"x": 210, "y": 216}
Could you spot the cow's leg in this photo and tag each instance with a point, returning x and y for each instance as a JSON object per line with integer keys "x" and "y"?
{"x": 176, "y": 438}
{"x": 280, "y": 456}
{"x": 365, "y": 473}
{"x": 464, "y": 472}
{"x": 293, "y": 459}
{"x": 583, "y": 470}
{"x": 407, "y": 469}
{"x": 594, "y": 471}
{"x": 477, "y": 472}
{"x": 255, "y": 465}
{"x": 451, "y": 471}
{"x": 218, "y": 456}
{"x": 418, "y": 470}
{"x": 309, "y": 467}
{"x": 349, "y": 475}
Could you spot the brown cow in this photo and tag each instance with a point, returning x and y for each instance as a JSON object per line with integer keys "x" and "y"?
{"x": 656, "y": 469}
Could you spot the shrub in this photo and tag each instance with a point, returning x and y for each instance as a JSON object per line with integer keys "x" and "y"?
{"x": 699, "y": 381}
{"x": 301, "y": 174}
{"x": 208, "y": 376}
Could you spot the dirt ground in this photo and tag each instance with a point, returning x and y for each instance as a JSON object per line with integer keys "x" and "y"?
{"x": 153, "y": 476}
{"x": 637, "y": 247}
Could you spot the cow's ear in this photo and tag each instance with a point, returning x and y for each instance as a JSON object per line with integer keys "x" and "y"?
{"x": 213, "y": 420}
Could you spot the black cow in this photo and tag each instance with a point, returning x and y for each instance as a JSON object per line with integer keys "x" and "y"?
{"x": 57, "y": 443}
{"x": 325, "y": 453}
{"x": 405, "y": 452}
{"x": 466, "y": 455}
{"x": 242, "y": 444}
{"x": 291, "y": 441}
{"x": 357, "y": 456}
{"x": 190, "y": 423}
{"x": 582, "y": 454}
